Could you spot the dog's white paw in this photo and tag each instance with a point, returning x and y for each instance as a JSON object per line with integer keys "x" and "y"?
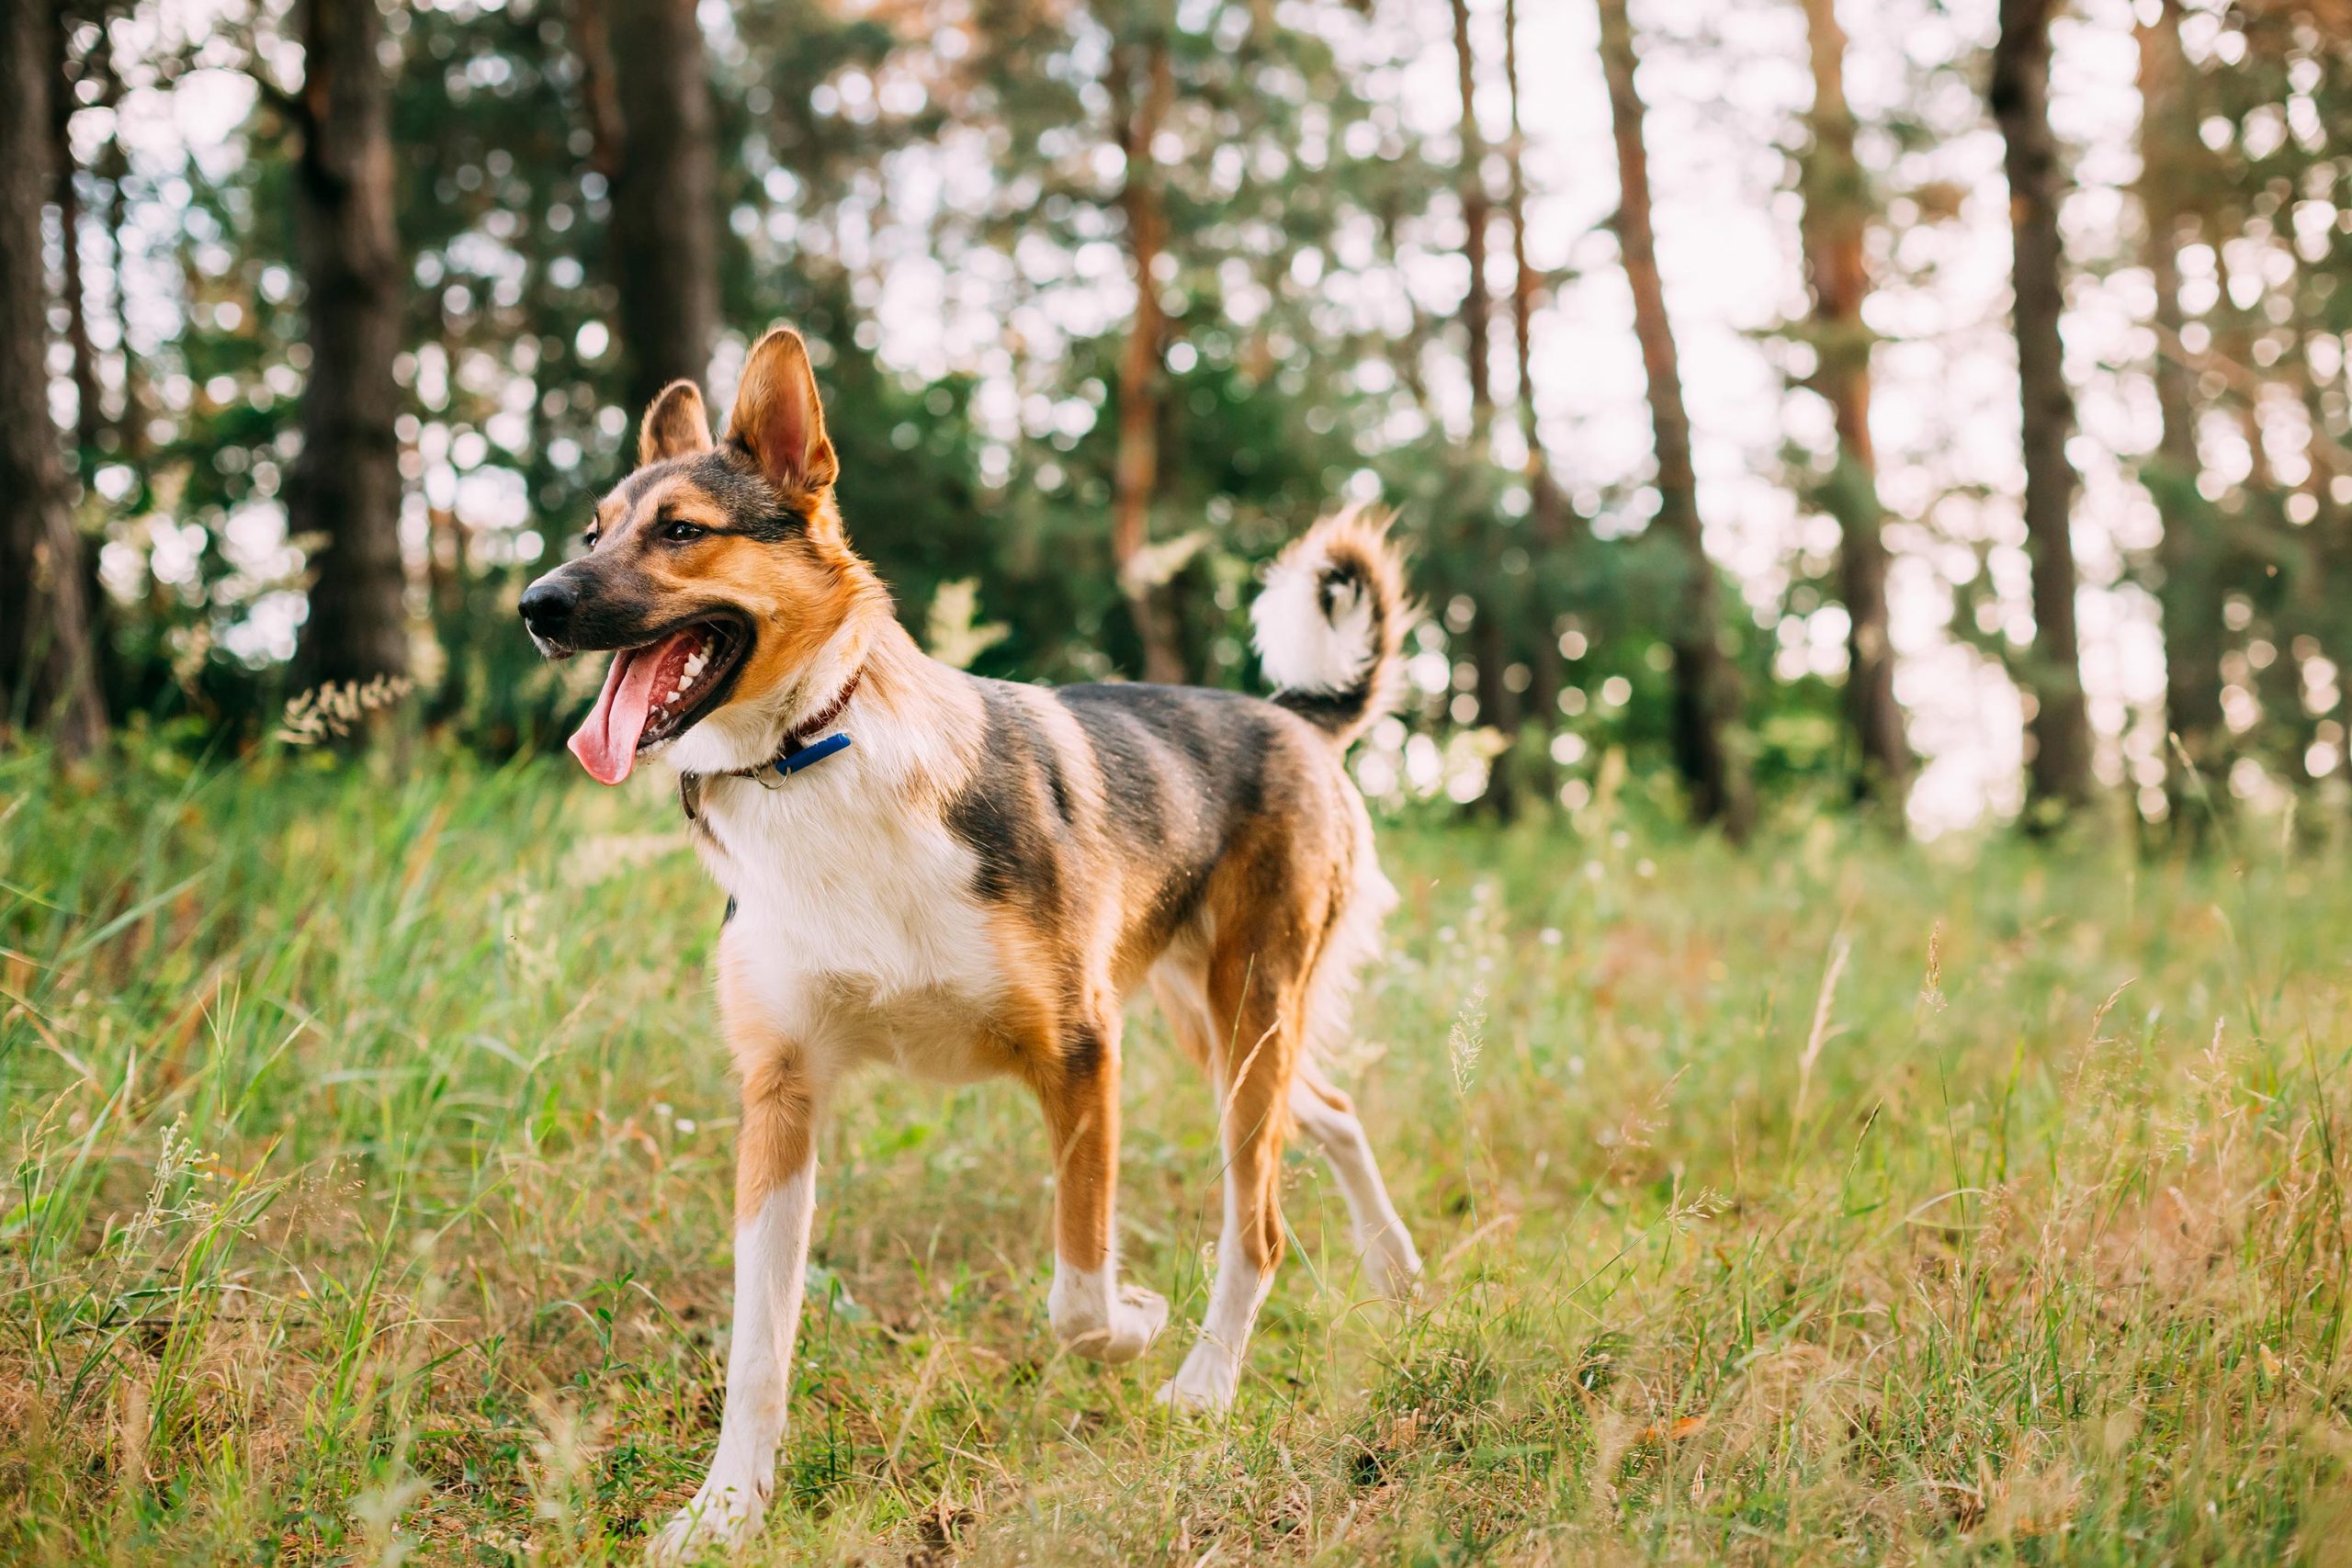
{"x": 719, "y": 1519}
{"x": 1136, "y": 1318}
{"x": 1206, "y": 1384}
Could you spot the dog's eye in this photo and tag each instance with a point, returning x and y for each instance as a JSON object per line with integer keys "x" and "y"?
{"x": 679, "y": 533}
{"x": 589, "y": 538}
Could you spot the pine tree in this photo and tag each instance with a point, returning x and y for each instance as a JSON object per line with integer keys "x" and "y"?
{"x": 48, "y": 651}
{"x": 1549, "y": 517}
{"x": 1143, "y": 86}
{"x": 2059, "y": 770}
{"x": 1706, "y": 695}
{"x": 647, "y": 85}
{"x": 346, "y": 488}
{"x": 2192, "y": 585}
{"x": 1477, "y": 215}
{"x": 1836, "y": 210}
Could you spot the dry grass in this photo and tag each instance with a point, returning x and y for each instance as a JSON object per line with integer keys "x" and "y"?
{"x": 1838, "y": 1202}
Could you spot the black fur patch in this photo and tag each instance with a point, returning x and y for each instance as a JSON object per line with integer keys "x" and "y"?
{"x": 1335, "y": 711}
{"x": 1326, "y": 710}
{"x": 1084, "y": 1054}
{"x": 1183, "y": 771}
{"x": 1012, "y": 813}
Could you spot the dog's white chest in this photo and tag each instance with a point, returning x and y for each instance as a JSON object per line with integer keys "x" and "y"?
{"x": 856, "y": 932}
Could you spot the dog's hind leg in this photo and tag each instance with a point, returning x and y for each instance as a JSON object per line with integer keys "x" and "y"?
{"x": 1077, "y": 1084}
{"x": 1254, "y": 988}
{"x": 1325, "y": 1115}
{"x": 776, "y": 1201}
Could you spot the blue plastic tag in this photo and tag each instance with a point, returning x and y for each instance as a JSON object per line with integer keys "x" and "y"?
{"x": 814, "y": 752}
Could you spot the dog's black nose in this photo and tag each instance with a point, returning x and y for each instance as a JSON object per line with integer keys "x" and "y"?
{"x": 546, "y": 607}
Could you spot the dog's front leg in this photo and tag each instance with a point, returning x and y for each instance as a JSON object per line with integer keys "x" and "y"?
{"x": 1091, "y": 1312}
{"x": 775, "y": 1202}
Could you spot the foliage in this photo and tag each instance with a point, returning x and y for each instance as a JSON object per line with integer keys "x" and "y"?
{"x": 1295, "y": 186}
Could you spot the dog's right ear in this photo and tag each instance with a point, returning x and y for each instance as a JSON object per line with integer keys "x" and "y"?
{"x": 674, "y": 426}
{"x": 778, "y": 420}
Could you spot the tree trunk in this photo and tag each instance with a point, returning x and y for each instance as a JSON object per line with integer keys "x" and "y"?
{"x": 648, "y": 82}
{"x": 1144, "y": 100}
{"x": 1837, "y": 205}
{"x": 2060, "y": 766}
{"x": 1410, "y": 346}
{"x": 1551, "y": 518}
{"x": 86, "y": 415}
{"x": 346, "y": 484}
{"x": 47, "y": 654}
{"x": 2191, "y": 594}
{"x": 1497, "y": 707}
{"x": 1477, "y": 214}
{"x": 130, "y": 423}
{"x": 1706, "y": 695}
{"x": 1548, "y": 511}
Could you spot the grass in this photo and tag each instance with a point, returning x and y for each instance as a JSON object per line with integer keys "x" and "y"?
{"x": 369, "y": 1150}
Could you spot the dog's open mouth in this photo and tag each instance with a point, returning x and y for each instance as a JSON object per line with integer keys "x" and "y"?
{"x": 656, "y": 691}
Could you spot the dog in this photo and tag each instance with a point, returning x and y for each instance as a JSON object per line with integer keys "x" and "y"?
{"x": 964, "y": 877}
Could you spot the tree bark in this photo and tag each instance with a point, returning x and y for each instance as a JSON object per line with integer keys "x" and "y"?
{"x": 1550, "y": 511}
{"x": 1147, "y": 90}
{"x": 1706, "y": 694}
{"x": 1836, "y": 206}
{"x": 1477, "y": 215}
{"x": 1551, "y": 518}
{"x": 2191, "y": 598}
{"x": 48, "y": 652}
{"x": 1413, "y": 343}
{"x": 130, "y": 423}
{"x": 649, "y": 107}
{"x": 1497, "y": 706}
{"x": 345, "y": 486}
{"x": 86, "y": 416}
{"x": 2060, "y": 771}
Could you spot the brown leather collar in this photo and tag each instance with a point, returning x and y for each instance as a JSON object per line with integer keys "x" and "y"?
{"x": 771, "y": 772}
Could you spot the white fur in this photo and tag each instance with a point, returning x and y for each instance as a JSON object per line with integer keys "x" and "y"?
{"x": 1211, "y": 1375}
{"x": 855, "y": 931}
{"x": 856, "y": 937}
{"x": 1382, "y": 1241}
{"x": 1299, "y": 648}
{"x": 771, "y": 1259}
{"x": 1096, "y": 1317}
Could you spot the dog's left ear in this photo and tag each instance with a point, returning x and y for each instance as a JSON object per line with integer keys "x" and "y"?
{"x": 777, "y": 418}
{"x": 674, "y": 426}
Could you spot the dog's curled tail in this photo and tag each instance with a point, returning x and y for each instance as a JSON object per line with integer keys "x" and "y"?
{"x": 1330, "y": 625}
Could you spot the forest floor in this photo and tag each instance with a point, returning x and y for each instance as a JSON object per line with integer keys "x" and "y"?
{"x": 369, "y": 1150}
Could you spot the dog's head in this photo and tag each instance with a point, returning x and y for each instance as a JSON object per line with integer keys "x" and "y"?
{"x": 717, "y": 575}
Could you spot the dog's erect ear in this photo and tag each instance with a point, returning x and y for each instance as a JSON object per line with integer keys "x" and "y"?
{"x": 777, "y": 419}
{"x": 674, "y": 426}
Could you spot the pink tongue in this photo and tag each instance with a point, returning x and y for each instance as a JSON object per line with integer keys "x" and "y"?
{"x": 607, "y": 740}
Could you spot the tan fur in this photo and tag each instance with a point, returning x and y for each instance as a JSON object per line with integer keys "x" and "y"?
{"x": 674, "y": 426}
{"x": 968, "y": 893}
{"x": 778, "y": 1092}
{"x": 778, "y": 417}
